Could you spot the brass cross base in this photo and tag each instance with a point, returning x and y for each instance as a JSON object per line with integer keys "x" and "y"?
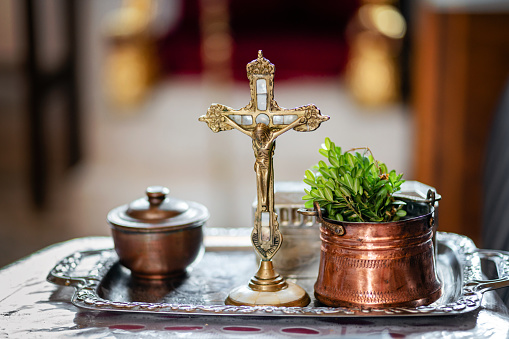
{"x": 268, "y": 288}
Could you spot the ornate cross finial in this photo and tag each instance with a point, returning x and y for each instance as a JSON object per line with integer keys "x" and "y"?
{"x": 260, "y": 66}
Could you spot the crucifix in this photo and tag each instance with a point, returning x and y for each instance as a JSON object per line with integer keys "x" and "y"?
{"x": 263, "y": 121}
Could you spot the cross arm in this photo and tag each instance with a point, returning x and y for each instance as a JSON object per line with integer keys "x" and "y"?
{"x": 313, "y": 118}
{"x": 233, "y": 124}
{"x": 217, "y": 118}
{"x": 311, "y": 114}
{"x": 297, "y": 122}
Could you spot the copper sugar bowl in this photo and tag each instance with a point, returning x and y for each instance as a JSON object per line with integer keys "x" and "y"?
{"x": 158, "y": 236}
{"x": 389, "y": 264}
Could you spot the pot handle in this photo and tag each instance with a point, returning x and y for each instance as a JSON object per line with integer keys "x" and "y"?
{"x": 317, "y": 212}
{"x": 61, "y": 274}
{"x": 501, "y": 260}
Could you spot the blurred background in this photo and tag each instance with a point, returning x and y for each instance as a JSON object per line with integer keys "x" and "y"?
{"x": 100, "y": 99}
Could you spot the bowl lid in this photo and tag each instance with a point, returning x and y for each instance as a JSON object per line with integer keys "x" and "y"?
{"x": 158, "y": 210}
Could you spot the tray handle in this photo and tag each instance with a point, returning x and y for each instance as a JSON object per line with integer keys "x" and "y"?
{"x": 61, "y": 274}
{"x": 501, "y": 260}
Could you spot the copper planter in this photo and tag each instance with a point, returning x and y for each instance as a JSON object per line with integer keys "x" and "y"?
{"x": 378, "y": 264}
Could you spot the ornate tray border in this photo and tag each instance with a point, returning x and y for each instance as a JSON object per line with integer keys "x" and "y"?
{"x": 86, "y": 294}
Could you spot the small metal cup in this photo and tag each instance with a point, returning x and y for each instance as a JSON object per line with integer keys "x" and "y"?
{"x": 157, "y": 236}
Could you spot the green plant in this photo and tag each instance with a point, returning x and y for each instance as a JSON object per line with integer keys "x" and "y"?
{"x": 355, "y": 187}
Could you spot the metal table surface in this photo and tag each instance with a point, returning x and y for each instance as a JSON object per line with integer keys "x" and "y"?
{"x": 31, "y": 307}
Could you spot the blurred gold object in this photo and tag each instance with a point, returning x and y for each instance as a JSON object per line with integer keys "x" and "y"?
{"x": 131, "y": 64}
{"x": 372, "y": 73}
{"x": 217, "y": 42}
{"x": 263, "y": 121}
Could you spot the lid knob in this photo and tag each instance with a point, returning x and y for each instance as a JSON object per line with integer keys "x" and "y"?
{"x": 156, "y": 206}
{"x": 156, "y": 195}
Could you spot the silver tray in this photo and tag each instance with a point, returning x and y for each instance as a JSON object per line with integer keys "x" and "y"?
{"x": 103, "y": 284}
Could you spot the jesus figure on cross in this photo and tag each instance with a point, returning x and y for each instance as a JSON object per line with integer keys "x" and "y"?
{"x": 263, "y": 147}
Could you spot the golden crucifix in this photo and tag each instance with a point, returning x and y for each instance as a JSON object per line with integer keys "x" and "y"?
{"x": 263, "y": 121}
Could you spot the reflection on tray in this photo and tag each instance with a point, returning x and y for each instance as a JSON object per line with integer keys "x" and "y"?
{"x": 207, "y": 284}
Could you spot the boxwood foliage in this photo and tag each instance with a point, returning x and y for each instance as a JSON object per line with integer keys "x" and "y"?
{"x": 354, "y": 186}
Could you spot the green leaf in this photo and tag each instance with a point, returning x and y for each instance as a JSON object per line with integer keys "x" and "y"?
{"x": 337, "y": 150}
{"x": 370, "y": 214}
{"x": 325, "y": 172}
{"x": 380, "y": 184}
{"x": 366, "y": 162}
{"x": 328, "y": 194}
{"x": 327, "y": 143}
{"x": 329, "y": 210}
{"x": 324, "y": 152}
{"x": 320, "y": 180}
{"x": 378, "y": 202}
{"x": 374, "y": 171}
{"x": 314, "y": 193}
{"x": 349, "y": 181}
{"x": 350, "y": 160}
{"x": 307, "y": 197}
{"x": 343, "y": 182}
{"x": 333, "y": 161}
{"x": 340, "y": 206}
{"x": 383, "y": 192}
{"x": 334, "y": 173}
{"x": 354, "y": 172}
{"x": 309, "y": 204}
{"x": 310, "y": 182}
{"x": 367, "y": 170}
{"x": 345, "y": 191}
{"x": 401, "y": 213}
{"x": 356, "y": 185}
{"x": 310, "y": 175}
{"x": 392, "y": 176}
{"x": 330, "y": 184}
{"x": 322, "y": 164}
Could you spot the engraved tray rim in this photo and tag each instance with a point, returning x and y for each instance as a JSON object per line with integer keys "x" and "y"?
{"x": 86, "y": 293}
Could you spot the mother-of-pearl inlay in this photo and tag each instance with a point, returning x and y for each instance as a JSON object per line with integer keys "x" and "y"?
{"x": 284, "y": 119}
{"x": 261, "y": 94}
{"x": 263, "y": 119}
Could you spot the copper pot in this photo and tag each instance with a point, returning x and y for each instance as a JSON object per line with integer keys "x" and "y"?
{"x": 378, "y": 264}
{"x": 157, "y": 236}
